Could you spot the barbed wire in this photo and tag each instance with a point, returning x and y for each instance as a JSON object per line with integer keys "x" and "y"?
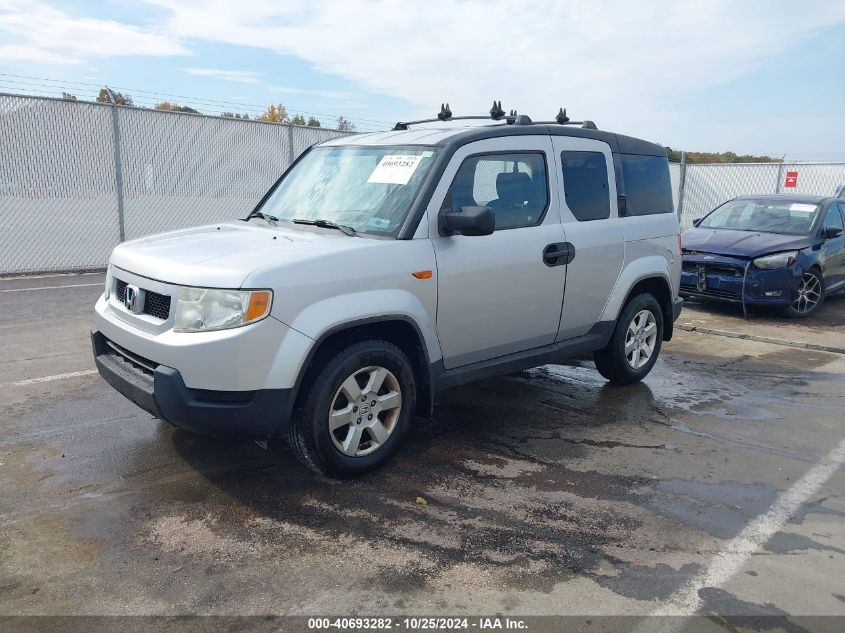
{"x": 28, "y": 83}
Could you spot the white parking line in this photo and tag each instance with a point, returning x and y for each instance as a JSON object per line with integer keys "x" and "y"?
{"x": 50, "y": 287}
{"x": 725, "y": 565}
{"x": 32, "y": 381}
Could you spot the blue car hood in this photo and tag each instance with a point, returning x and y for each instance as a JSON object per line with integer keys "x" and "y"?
{"x": 740, "y": 243}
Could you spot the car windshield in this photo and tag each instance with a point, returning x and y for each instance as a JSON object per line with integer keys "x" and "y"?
{"x": 370, "y": 189}
{"x": 766, "y": 216}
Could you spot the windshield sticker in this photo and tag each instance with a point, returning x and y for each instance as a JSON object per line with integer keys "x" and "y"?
{"x": 395, "y": 169}
{"x": 378, "y": 223}
{"x": 806, "y": 208}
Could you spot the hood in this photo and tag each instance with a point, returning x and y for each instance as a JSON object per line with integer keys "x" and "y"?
{"x": 740, "y": 243}
{"x": 223, "y": 255}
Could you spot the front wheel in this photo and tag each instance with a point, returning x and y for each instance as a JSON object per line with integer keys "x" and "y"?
{"x": 355, "y": 412}
{"x": 810, "y": 296}
{"x": 635, "y": 343}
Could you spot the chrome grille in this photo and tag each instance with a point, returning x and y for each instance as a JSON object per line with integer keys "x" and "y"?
{"x": 155, "y": 304}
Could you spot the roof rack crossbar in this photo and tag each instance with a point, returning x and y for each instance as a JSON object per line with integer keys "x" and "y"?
{"x": 588, "y": 125}
{"x": 496, "y": 114}
{"x": 403, "y": 125}
{"x": 445, "y": 114}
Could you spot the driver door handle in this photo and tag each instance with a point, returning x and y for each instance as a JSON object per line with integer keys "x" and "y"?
{"x": 558, "y": 254}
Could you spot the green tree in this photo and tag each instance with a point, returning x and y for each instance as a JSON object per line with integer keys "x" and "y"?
{"x": 298, "y": 120}
{"x": 718, "y": 157}
{"x": 119, "y": 98}
{"x": 174, "y": 107}
{"x": 312, "y": 122}
{"x": 345, "y": 125}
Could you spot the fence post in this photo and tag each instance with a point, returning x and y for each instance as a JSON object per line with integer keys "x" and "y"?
{"x": 682, "y": 177}
{"x": 780, "y": 176}
{"x": 290, "y": 146}
{"x": 118, "y": 171}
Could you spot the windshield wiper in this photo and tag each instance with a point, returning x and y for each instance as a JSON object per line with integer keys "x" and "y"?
{"x": 327, "y": 224}
{"x": 263, "y": 216}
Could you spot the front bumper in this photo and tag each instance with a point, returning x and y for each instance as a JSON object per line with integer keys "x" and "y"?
{"x": 161, "y": 391}
{"x": 720, "y": 278}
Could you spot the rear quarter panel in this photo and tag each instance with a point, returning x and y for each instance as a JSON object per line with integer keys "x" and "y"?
{"x": 651, "y": 250}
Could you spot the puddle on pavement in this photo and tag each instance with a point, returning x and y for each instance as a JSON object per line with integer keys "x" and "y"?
{"x": 720, "y": 509}
{"x": 787, "y": 542}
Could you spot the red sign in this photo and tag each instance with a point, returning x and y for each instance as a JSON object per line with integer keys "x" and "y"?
{"x": 791, "y": 179}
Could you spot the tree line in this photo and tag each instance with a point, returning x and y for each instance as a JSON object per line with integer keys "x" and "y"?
{"x": 275, "y": 112}
{"x": 718, "y": 157}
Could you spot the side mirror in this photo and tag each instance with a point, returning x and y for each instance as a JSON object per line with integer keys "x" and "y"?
{"x": 469, "y": 221}
{"x": 697, "y": 221}
{"x": 831, "y": 232}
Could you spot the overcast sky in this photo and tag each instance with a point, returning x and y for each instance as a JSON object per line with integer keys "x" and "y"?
{"x": 750, "y": 76}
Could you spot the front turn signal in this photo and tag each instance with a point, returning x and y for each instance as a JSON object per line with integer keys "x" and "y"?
{"x": 259, "y": 305}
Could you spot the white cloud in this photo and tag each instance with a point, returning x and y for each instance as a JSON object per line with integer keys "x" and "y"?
{"x": 238, "y": 76}
{"x": 50, "y": 36}
{"x": 615, "y": 61}
{"x": 24, "y": 53}
{"x": 252, "y": 77}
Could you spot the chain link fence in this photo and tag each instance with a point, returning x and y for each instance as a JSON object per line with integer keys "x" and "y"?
{"x": 76, "y": 178}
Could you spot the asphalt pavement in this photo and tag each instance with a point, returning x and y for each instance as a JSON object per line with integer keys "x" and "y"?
{"x": 715, "y": 487}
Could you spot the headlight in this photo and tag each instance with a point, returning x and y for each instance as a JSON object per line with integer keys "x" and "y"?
{"x": 107, "y": 291}
{"x": 203, "y": 309}
{"x": 778, "y": 260}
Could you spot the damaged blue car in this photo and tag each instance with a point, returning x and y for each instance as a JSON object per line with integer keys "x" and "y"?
{"x": 777, "y": 250}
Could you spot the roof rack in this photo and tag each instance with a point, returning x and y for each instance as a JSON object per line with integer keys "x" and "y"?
{"x": 497, "y": 114}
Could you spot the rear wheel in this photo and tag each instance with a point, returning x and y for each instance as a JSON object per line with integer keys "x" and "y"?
{"x": 810, "y": 296}
{"x": 355, "y": 412}
{"x": 635, "y": 343}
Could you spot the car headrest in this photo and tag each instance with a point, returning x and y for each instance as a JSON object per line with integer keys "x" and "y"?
{"x": 513, "y": 188}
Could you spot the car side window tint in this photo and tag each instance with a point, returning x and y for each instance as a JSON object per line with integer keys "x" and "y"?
{"x": 648, "y": 188}
{"x": 833, "y": 217}
{"x": 585, "y": 185}
{"x": 513, "y": 185}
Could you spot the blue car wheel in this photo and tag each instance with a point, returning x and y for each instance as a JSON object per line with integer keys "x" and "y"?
{"x": 810, "y": 296}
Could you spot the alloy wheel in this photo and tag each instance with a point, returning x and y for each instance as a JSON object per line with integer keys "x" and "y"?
{"x": 640, "y": 339}
{"x": 809, "y": 294}
{"x": 365, "y": 411}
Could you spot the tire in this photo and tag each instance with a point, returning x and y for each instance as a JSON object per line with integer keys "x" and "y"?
{"x": 612, "y": 362}
{"x": 811, "y": 288}
{"x": 365, "y": 436}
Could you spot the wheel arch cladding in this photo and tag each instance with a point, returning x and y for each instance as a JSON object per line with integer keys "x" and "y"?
{"x": 399, "y": 330}
{"x": 658, "y": 286}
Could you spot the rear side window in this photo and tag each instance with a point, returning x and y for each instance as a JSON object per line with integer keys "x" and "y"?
{"x": 585, "y": 185}
{"x": 647, "y": 186}
{"x": 513, "y": 185}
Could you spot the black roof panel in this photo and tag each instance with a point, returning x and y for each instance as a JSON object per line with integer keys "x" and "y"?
{"x": 618, "y": 142}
